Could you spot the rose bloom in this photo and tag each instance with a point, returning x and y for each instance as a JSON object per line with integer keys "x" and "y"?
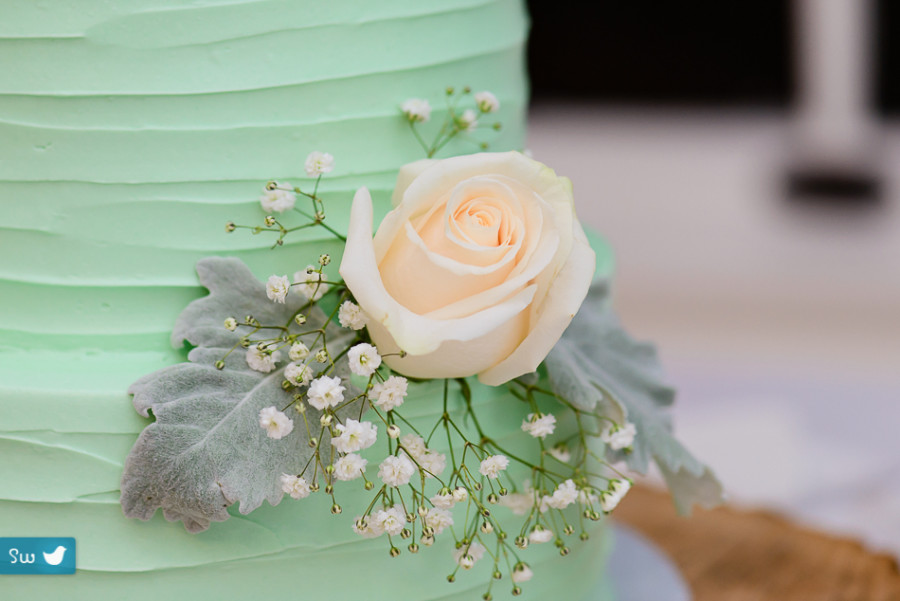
{"x": 478, "y": 269}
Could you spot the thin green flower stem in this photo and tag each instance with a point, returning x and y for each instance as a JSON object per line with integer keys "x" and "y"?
{"x": 412, "y": 126}
{"x": 404, "y": 420}
{"x": 322, "y": 223}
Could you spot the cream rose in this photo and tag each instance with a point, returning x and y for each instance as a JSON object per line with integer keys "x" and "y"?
{"x": 478, "y": 269}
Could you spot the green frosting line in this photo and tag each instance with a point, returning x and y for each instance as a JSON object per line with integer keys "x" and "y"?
{"x": 129, "y": 133}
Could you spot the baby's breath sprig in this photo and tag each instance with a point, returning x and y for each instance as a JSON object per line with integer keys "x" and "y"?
{"x": 280, "y": 196}
{"x": 458, "y": 120}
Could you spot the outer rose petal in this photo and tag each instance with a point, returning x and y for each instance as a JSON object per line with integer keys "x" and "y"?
{"x": 563, "y": 300}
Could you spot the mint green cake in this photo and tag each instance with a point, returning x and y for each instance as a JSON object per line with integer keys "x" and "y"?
{"x": 130, "y": 132}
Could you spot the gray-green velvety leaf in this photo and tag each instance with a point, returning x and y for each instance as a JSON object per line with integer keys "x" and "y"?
{"x": 206, "y": 450}
{"x": 597, "y": 362}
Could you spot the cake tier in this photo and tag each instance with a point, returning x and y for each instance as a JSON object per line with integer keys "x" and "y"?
{"x": 129, "y": 133}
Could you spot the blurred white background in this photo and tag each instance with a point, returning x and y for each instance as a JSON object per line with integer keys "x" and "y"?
{"x": 779, "y": 322}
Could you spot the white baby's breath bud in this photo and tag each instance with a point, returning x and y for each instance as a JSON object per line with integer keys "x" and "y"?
{"x": 396, "y": 470}
{"x": 278, "y": 198}
{"x": 318, "y": 163}
{"x": 231, "y": 324}
{"x": 277, "y": 288}
{"x": 322, "y": 356}
{"x": 325, "y": 392}
{"x": 619, "y": 437}
{"x": 393, "y": 431}
{"x": 310, "y": 283}
{"x": 261, "y": 360}
{"x": 354, "y": 436}
{"x": 364, "y": 359}
{"x": 492, "y": 465}
{"x": 521, "y": 573}
{"x": 487, "y": 102}
{"x": 468, "y": 121}
{"x": 298, "y": 351}
{"x": 276, "y": 424}
{"x": 366, "y": 527}
{"x": 467, "y": 555}
{"x": 269, "y": 220}
{"x": 300, "y": 319}
{"x": 295, "y": 486}
{"x": 539, "y": 534}
{"x": 389, "y": 395}
{"x": 460, "y": 494}
{"x": 539, "y": 426}
{"x": 351, "y": 316}
{"x": 611, "y": 498}
{"x": 416, "y": 110}
{"x": 324, "y": 259}
{"x": 561, "y": 452}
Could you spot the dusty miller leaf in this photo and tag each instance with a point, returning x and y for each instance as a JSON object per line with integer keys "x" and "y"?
{"x": 206, "y": 450}
{"x": 597, "y": 362}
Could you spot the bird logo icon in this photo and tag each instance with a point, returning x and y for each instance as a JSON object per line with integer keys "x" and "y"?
{"x": 55, "y": 558}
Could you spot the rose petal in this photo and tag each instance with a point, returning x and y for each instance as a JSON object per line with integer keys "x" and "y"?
{"x": 413, "y": 333}
{"x": 563, "y": 300}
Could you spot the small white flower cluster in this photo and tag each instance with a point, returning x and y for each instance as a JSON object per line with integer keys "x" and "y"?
{"x": 351, "y": 316}
{"x": 538, "y": 425}
{"x": 353, "y": 436}
{"x": 310, "y": 283}
{"x": 487, "y": 102}
{"x": 467, "y": 555}
{"x": 278, "y": 197}
{"x": 446, "y": 498}
{"x": 492, "y": 465}
{"x": 389, "y": 395}
{"x": 468, "y": 121}
{"x": 610, "y": 498}
{"x": 619, "y": 437}
{"x": 277, "y": 288}
{"x": 298, "y": 374}
{"x": 295, "y": 486}
{"x": 431, "y": 462}
{"x": 389, "y": 521}
{"x": 417, "y": 110}
{"x": 261, "y": 359}
{"x": 325, "y": 392}
{"x": 396, "y": 470}
{"x": 318, "y": 163}
{"x": 364, "y": 359}
{"x": 276, "y": 424}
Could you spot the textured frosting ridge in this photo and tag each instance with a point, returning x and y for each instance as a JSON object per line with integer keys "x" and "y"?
{"x": 129, "y": 133}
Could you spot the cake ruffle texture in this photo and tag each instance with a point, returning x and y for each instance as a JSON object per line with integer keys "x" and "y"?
{"x": 129, "y": 133}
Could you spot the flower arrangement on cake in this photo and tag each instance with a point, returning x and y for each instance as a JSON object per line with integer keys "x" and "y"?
{"x": 480, "y": 276}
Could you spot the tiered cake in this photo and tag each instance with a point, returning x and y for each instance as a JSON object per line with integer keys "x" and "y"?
{"x": 129, "y": 133}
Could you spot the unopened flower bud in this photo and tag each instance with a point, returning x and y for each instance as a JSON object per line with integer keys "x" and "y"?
{"x": 324, "y": 259}
{"x": 231, "y": 324}
{"x": 230, "y": 227}
{"x": 326, "y": 420}
{"x": 269, "y": 220}
{"x": 393, "y": 431}
{"x": 300, "y": 319}
{"x": 322, "y": 356}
